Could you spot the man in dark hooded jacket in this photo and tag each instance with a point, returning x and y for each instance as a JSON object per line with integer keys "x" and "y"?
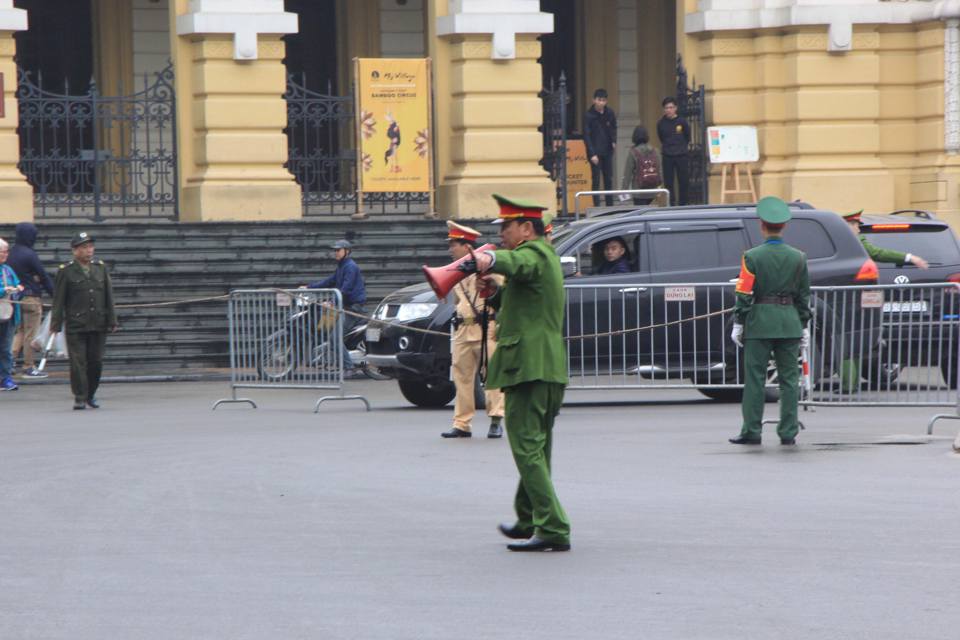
{"x": 26, "y": 264}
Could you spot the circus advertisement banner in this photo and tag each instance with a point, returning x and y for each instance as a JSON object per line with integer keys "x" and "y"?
{"x": 393, "y": 98}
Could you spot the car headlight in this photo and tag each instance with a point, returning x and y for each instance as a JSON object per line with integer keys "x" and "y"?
{"x": 415, "y": 311}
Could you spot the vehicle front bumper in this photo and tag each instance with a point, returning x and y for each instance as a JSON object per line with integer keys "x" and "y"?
{"x": 419, "y": 363}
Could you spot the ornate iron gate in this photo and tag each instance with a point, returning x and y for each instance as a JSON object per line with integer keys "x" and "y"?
{"x": 555, "y": 136}
{"x": 691, "y": 107}
{"x": 322, "y": 155}
{"x": 93, "y": 156}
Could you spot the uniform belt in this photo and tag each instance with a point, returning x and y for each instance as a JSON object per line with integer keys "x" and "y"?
{"x": 782, "y": 300}
{"x": 459, "y": 321}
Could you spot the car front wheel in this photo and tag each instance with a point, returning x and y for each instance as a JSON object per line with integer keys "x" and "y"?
{"x": 428, "y": 394}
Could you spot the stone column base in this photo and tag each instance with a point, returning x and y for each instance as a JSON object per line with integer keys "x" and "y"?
{"x": 474, "y": 200}
{"x": 16, "y": 200}
{"x": 240, "y": 202}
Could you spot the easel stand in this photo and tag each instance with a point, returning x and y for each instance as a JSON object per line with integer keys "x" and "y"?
{"x": 736, "y": 190}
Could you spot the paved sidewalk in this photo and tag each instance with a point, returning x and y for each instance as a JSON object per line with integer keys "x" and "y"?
{"x": 158, "y": 518}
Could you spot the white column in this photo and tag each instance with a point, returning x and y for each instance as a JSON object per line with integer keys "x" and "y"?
{"x": 502, "y": 18}
{"x": 244, "y": 19}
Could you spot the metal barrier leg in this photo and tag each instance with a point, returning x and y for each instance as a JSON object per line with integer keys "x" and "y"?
{"x": 941, "y": 416}
{"x": 316, "y": 407}
{"x": 231, "y": 400}
{"x": 777, "y": 422}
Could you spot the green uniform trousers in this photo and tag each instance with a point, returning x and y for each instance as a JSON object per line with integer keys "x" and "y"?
{"x": 531, "y": 408}
{"x": 85, "y": 349}
{"x": 756, "y": 355}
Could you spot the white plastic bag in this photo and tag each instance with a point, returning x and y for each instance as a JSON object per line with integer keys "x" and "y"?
{"x": 50, "y": 349}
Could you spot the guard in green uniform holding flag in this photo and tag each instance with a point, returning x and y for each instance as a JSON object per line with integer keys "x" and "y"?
{"x": 530, "y": 366}
{"x": 771, "y": 315}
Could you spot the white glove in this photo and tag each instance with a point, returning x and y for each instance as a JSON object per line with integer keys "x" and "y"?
{"x": 737, "y": 335}
{"x": 805, "y": 339}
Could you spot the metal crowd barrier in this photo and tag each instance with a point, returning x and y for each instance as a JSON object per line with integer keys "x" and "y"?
{"x": 875, "y": 345}
{"x": 286, "y": 339}
{"x": 654, "y": 193}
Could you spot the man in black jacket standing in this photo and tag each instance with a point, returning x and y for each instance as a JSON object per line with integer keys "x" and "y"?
{"x": 26, "y": 264}
{"x": 600, "y": 137}
{"x": 674, "y": 134}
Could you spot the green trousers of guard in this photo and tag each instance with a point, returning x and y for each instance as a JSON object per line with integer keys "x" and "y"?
{"x": 86, "y": 362}
{"x": 756, "y": 355}
{"x": 530, "y": 409}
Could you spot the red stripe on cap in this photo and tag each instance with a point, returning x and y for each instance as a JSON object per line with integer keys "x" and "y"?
{"x": 510, "y": 212}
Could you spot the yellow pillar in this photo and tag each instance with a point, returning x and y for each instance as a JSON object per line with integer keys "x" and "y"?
{"x": 16, "y": 194}
{"x": 487, "y": 110}
{"x": 231, "y": 114}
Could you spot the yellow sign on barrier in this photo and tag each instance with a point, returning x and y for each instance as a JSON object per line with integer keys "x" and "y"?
{"x": 393, "y": 124}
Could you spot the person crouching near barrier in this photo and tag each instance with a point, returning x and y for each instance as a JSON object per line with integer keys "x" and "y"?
{"x": 771, "y": 316}
{"x": 468, "y": 339}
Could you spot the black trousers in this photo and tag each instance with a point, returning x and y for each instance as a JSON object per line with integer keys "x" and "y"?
{"x": 85, "y": 350}
{"x": 604, "y": 168}
{"x": 678, "y": 166}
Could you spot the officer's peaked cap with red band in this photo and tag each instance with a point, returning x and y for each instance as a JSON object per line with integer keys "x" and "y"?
{"x": 457, "y": 231}
{"x": 515, "y": 209}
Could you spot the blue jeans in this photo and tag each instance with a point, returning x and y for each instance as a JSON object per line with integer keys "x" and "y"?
{"x": 7, "y": 331}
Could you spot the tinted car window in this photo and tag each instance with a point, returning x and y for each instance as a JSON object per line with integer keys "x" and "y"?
{"x": 936, "y": 245}
{"x": 680, "y": 250}
{"x": 809, "y": 236}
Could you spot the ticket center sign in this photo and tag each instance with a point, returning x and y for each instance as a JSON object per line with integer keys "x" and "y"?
{"x": 393, "y": 124}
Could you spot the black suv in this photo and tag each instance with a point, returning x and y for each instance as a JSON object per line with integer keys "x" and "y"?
{"x": 699, "y": 244}
{"x": 916, "y": 321}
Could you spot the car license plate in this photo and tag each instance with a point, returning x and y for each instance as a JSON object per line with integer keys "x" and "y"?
{"x": 373, "y": 335}
{"x": 914, "y": 306}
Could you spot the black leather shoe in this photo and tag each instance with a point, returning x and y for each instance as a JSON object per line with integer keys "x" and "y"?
{"x": 513, "y": 532}
{"x": 536, "y": 544}
{"x": 788, "y": 441}
{"x": 92, "y": 402}
{"x": 456, "y": 433}
{"x": 496, "y": 430}
{"x": 78, "y": 405}
{"x": 744, "y": 440}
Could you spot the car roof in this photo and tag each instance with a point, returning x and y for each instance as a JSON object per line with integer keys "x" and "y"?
{"x": 703, "y": 212}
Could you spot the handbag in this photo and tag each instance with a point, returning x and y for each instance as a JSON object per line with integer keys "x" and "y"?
{"x": 6, "y": 307}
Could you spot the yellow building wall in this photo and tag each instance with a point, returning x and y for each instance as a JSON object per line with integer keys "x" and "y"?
{"x": 844, "y": 131}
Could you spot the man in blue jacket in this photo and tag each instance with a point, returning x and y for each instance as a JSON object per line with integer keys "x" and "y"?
{"x": 26, "y": 264}
{"x": 348, "y": 280}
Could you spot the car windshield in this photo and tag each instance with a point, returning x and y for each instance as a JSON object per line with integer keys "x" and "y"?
{"x": 936, "y": 246}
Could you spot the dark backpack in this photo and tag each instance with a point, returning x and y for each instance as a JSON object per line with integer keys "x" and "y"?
{"x": 647, "y": 173}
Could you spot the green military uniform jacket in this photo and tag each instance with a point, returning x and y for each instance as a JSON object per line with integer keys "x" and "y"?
{"x": 530, "y": 310}
{"x": 879, "y": 254}
{"x": 83, "y": 300}
{"x": 773, "y": 269}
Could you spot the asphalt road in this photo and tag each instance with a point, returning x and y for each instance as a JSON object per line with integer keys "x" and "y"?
{"x": 156, "y": 517}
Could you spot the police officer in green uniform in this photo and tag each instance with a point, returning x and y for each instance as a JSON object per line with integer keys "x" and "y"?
{"x": 530, "y": 366}
{"x": 771, "y": 315}
{"x": 879, "y": 254}
{"x": 83, "y": 306}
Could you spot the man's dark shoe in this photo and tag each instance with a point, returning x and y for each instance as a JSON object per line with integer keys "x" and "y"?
{"x": 788, "y": 441}
{"x": 536, "y": 544}
{"x": 744, "y": 440}
{"x": 496, "y": 430}
{"x": 79, "y": 404}
{"x": 92, "y": 401}
{"x": 456, "y": 433}
{"x": 514, "y": 532}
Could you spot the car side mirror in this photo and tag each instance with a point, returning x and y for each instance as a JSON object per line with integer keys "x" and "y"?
{"x": 569, "y": 265}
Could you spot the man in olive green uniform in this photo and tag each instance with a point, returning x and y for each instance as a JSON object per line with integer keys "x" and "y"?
{"x": 530, "y": 366}
{"x": 83, "y": 301}
{"x": 879, "y": 254}
{"x": 771, "y": 315}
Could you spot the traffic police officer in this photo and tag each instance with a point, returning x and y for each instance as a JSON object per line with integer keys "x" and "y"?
{"x": 467, "y": 343}
{"x": 771, "y": 315}
{"x": 879, "y": 254}
{"x": 530, "y": 365}
{"x": 83, "y": 306}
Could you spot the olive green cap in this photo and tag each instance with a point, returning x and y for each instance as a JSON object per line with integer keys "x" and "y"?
{"x": 516, "y": 209}
{"x": 773, "y": 210}
{"x": 852, "y": 216}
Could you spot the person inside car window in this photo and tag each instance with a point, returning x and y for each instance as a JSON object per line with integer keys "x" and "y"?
{"x": 616, "y": 257}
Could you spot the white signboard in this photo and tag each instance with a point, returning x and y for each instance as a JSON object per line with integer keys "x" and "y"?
{"x": 680, "y": 294}
{"x": 733, "y": 144}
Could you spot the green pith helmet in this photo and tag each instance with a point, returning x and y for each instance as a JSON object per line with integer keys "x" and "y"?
{"x": 773, "y": 210}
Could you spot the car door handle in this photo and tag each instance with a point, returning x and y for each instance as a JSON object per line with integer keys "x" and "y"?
{"x": 734, "y": 280}
{"x": 633, "y": 290}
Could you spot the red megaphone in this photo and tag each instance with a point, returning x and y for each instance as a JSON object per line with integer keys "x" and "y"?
{"x": 443, "y": 279}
